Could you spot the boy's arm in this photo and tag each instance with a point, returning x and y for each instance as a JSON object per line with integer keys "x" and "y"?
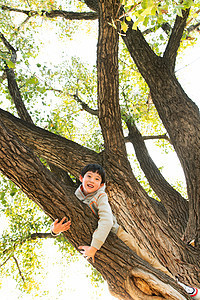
{"x": 105, "y": 224}
{"x": 58, "y": 227}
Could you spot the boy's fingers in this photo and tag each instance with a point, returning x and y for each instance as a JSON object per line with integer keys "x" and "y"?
{"x": 56, "y": 221}
{"x": 67, "y": 226}
{"x": 63, "y": 219}
{"x": 82, "y": 250}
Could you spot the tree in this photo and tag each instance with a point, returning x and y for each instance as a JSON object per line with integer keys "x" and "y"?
{"x": 164, "y": 228}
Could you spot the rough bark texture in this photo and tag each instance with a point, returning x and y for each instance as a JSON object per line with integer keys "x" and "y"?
{"x": 158, "y": 227}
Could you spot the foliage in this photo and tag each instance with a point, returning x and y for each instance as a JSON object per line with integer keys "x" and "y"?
{"x": 18, "y": 250}
{"x": 150, "y": 12}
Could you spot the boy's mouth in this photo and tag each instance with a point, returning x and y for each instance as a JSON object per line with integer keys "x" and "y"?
{"x": 90, "y": 185}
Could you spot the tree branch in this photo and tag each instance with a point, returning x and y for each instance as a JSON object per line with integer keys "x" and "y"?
{"x": 55, "y": 13}
{"x": 18, "y": 267}
{"x": 175, "y": 39}
{"x": 165, "y": 27}
{"x": 193, "y": 28}
{"x": 41, "y": 235}
{"x": 59, "y": 151}
{"x": 175, "y": 204}
{"x": 156, "y": 137}
{"x": 21, "y": 166}
{"x": 12, "y": 84}
{"x": 108, "y": 83}
{"x": 151, "y": 137}
{"x": 85, "y": 106}
{"x": 33, "y": 236}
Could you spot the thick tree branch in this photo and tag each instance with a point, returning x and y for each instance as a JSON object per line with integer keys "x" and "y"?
{"x": 13, "y": 86}
{"x": 144, "y": 57}
{"x": 175, "y": 204}
{"x": 108, "y": 82}
{"x": 175, "y": 39}
{"x": 57, "y": 150}
{"x": 55, "y": 13}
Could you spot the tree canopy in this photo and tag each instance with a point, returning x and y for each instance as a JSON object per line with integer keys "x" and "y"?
{"x": 57, "y": 117}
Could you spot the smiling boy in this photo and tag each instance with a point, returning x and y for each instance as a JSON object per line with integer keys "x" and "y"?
{"x": 92, "y": 193}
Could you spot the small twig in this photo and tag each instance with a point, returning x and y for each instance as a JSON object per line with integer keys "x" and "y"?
{"x": 85, "y": 106}
{"x": 18, "y": 267}
{"x": 24, "y": 22}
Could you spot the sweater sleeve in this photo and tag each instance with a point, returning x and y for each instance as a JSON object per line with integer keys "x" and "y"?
{"x": 105, "y": 222}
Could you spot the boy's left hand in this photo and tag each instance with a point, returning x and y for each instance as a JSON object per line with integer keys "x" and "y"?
{"x": 88, "y": 251}
{"x": 61, "y": 226}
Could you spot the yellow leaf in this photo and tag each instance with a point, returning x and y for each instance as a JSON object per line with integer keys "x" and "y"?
{"x": 135, "y": 25}
{"x": 124, "y": 26}
{"x": 147, "y": 11}
{"x": 128, "y": 19}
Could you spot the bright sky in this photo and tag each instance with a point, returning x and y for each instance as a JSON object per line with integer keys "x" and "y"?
{"x": 73, "y": 278}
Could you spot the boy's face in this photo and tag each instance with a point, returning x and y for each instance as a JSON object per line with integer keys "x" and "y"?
{"x": 91, "y": 182}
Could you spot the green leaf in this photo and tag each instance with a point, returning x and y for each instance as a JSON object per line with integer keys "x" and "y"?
{"x": 147, "y": 3}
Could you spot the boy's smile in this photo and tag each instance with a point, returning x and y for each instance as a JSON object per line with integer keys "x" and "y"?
{"x": 91, "y": 182}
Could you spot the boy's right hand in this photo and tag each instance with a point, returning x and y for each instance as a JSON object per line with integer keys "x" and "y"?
{"x": 60, "y": 226}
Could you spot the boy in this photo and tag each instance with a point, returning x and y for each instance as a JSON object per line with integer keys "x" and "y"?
{"x": 92, "y": 193}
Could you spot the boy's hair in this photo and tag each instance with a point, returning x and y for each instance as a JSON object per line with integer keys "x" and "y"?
{"x": 95, "y": 168}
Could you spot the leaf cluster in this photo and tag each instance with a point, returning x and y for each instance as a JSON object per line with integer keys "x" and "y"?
{"x": 146, "y": 13}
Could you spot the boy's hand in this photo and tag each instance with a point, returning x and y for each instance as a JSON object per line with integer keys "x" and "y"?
{"x": 88, "y": 251}
{"x": 60, "y": 226}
